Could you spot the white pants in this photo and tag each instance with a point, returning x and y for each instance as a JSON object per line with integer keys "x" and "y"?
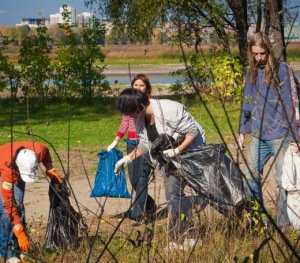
{"x": 293, "y": 208}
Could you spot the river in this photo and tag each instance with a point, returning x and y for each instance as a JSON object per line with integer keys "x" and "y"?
{"x": 155, "y": 78}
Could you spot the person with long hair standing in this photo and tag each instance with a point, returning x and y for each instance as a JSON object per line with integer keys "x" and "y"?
{"x": 268, "y": 116}
{"x": 139, "y": 171}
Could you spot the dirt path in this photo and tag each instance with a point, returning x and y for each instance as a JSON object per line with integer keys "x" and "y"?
{"x": 37, "y": 201}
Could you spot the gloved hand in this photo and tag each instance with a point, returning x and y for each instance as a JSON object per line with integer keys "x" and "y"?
{"x": 121, "y": 164}
{"x": 113, "y": 144}
{"x": 55, "y": 176}
{"x": 293, "y": 147}
{"x": 170, "y": 153}
{"x": 22, "y": 237}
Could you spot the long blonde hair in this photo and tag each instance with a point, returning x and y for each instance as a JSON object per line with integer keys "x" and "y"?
{"x": 261, "y": 40}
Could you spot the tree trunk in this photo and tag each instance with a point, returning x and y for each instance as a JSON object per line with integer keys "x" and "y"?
{"x": 239, "y": 9}
{"x": 259, "y": 16}
{"x": 276, "y": 32}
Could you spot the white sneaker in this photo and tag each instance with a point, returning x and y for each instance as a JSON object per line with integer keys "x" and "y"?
{"x": 187, "y": 244}
{"x": 173, "y": 246}
{"x": 13, "y": 260}
{"x": 190, "y": 243}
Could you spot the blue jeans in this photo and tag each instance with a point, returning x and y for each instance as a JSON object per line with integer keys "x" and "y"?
{"x": 261, "y": 151}
{"x": 139, "y": 171}
{"x": 180, "y": 206}
{"x": 8, "y": 243}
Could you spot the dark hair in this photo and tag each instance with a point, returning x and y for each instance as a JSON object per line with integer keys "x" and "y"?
{"x": 132, "y": 101}
{"x": 145, "y": 79}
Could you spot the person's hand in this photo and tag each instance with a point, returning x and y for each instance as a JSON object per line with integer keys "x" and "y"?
{"x": 22, "y": 237}
{"x": 113, "y": 144}
{"x": 170, "y": 153}
{"x": 55, "y": 176}
{"x": 294, "y": 148}
{"x": 121, "y": 164}
{"x": 241, "y": 140}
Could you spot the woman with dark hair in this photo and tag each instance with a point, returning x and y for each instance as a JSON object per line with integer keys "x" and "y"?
{"x": 268, "y": 116}
{"x": 155, "y": 118}
{"x": 139, "y": 171}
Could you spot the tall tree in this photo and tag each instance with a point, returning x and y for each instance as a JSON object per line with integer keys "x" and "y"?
{"x": 240, "y": 12}
{"x": 34, "y": 62}
{"x": 138, "y": 18}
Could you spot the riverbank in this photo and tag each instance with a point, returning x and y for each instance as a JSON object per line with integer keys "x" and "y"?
{"x": 160, "y": 69}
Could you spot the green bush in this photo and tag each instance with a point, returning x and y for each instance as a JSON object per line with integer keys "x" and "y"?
{"x": 221, "y": 75}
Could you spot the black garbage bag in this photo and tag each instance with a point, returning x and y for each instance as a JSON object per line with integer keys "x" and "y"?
{"x": 208, "y": 171}
{"x": 161, "y": 143}
{"x": 64, "y": 223}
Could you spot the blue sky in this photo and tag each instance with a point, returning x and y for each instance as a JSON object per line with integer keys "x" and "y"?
{"x": 12, "y": 11}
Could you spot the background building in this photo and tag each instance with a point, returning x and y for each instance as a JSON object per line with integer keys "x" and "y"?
{"x": 33, "y": 22}
{"x": 83, "y": 19}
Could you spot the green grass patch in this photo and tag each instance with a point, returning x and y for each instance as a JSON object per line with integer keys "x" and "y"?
{"x": 293, "y": 54}
{"x": 93, "y": 125}
{"x": 145, "y": 60}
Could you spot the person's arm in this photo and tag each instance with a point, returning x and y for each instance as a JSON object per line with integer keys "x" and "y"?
{"x": 246, "y": 111}
{"x": 124, "y": 125}
{"x": 9, "y": 203}
{"x": 113, "y": 144}
{"x": 188, "y": 139}
{"x": 45, "y": 158}
{"x": 288, "y": 108}
{"x": 10, "y": 208}
{"x": 134, "y": 154}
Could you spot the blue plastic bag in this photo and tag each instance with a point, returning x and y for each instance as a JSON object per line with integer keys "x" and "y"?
{"x": 107, "y": 183}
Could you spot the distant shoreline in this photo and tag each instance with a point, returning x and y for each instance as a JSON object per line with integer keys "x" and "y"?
{"x": 160, "y": 69}
{"x": 149, "y": 69}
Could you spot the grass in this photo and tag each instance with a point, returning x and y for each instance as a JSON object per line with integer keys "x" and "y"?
{"x": 218, "y": 244}
{"x": 154, "y": 54}
{"x": 293, "y": 54}
{"x": 93, "y": 125}
{"x": 160, "y": 60}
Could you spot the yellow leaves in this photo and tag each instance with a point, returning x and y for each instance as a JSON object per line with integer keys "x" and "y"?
{"x": 223, "y": 74}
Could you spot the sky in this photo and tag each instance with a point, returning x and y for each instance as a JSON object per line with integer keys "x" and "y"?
{"x": 12, "y": 11}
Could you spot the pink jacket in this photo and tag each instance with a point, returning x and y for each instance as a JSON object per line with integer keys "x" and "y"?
{"x": 127, "y": 124}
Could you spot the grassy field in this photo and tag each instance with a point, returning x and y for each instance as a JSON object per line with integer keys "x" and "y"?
{"x": 93, "y": 125}
{"x": 216, "y": 244}
{"x": 149, "y": 54}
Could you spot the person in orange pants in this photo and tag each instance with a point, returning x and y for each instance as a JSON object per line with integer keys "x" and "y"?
{"x": 18, "y": 165}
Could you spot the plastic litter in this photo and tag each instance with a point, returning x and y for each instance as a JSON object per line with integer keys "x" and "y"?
{"x": 64, "y": 223}
{"x": 107, "y": 183}
{"x": 209, "y": 172}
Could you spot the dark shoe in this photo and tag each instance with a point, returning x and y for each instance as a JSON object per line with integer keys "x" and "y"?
{"x": 121, "y": 215}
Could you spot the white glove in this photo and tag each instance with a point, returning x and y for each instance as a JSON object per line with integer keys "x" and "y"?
{"x": 121, "y": 164}
{"x": 112, "y": 145}
{"x": 170, "y": 153}
{"x": 241, "y": 140}
{"x": 293, "y": 147}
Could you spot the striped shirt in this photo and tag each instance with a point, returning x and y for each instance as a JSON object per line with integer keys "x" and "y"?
{"x": 127, "y": 124}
